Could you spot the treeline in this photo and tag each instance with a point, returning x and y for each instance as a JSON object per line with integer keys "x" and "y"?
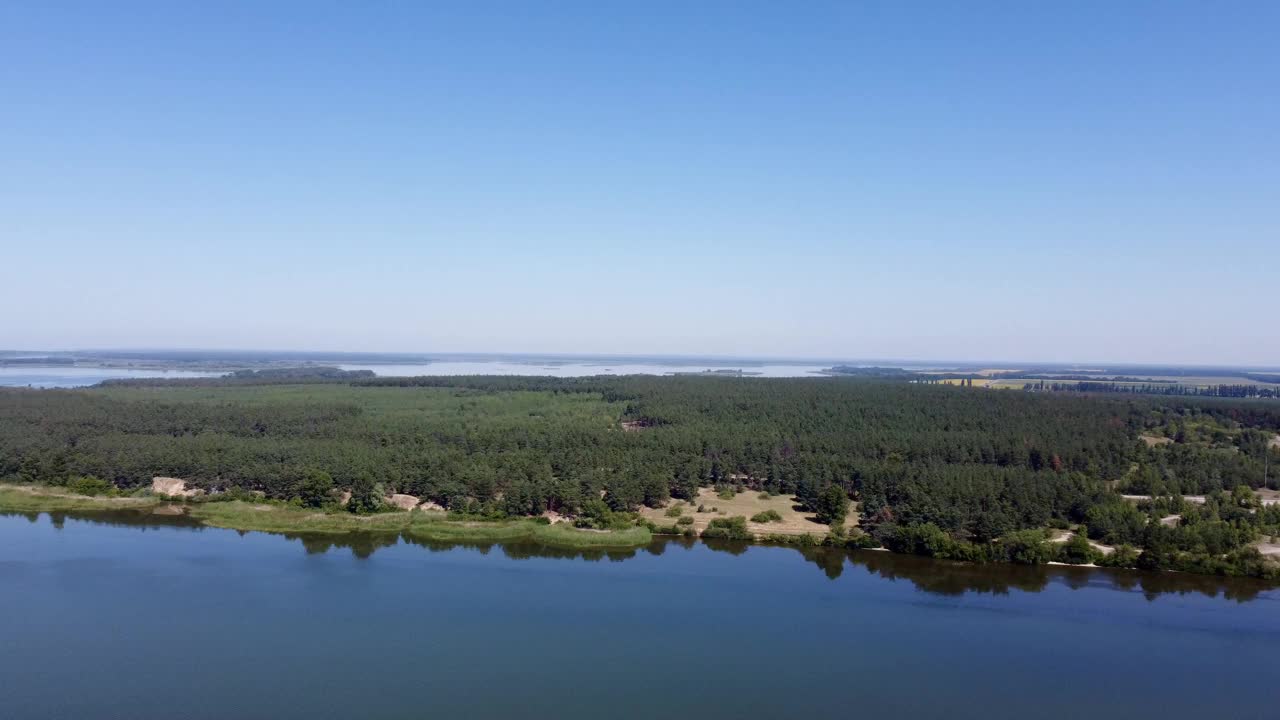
{"x": 267, "y": 376}
{"x": 1159, "y": 388}
{"x": 978, "y": 467}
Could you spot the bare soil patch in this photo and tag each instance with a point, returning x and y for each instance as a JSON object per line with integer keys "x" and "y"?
{"x": 1153, "y": 440}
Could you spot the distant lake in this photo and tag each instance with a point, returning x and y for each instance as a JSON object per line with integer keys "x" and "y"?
{"x": 583, "y": 369}
{"x": 143, "y": 617}
{"x": 64, "y": 377}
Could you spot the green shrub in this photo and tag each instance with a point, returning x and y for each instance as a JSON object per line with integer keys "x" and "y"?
{"x": 90, "y": 485}
{"x": 835, "y": 538}
{"x": 767, "y": 516}
{"x": 725, "y": 493}
{"x": 1078, "y": 551}
{"x": 315, "y": 488}
{"x": 1124, "y": 556}
{"x": 861, "y": 541}
{"x": 675, "y": 510}
{"x": 686, "y": 520}
{"x": 232, "y": 494}
{"x": 1027, "y": 547}
{"x": 365, "y": 498}
{"x": 733, "y": 528}
{"x": 802, "y": 540}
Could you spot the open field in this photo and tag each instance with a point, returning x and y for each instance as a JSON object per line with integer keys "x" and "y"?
{"x": 747, "y": 504}
{"x": 1198, "y": 381}
{"x": 32, "y": 498}
{"x": 977, "y": 382}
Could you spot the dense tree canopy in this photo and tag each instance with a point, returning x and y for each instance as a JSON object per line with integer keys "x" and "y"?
{"x": 974, "y": 464}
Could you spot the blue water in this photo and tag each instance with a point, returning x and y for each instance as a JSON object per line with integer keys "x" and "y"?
{"x": 124, "y": 620}
{"x": 67, "y": 377}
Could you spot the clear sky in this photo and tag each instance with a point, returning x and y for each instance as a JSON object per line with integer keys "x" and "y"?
{"x": 1019, "y": 180}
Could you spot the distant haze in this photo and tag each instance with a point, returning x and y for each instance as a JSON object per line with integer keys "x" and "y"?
{"x": 960, "y": 181}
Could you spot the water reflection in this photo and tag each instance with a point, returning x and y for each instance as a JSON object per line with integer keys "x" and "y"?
{"x": 938, "y": 577}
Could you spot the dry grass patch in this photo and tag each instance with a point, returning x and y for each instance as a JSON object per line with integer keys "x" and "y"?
{"x": 748, "y": 504}
{"x": 41, "y": 498}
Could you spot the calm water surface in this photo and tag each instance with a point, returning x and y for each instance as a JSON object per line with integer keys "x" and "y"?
{"x": 583, "y": 369}
{"x": 120, "y": 617}
{"x": 67, "y": 377}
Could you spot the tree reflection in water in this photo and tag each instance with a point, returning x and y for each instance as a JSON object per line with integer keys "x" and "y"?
{"x": 939, "y": 577}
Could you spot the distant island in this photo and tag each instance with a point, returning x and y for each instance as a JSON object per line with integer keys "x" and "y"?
{"x": 723, "y": 372}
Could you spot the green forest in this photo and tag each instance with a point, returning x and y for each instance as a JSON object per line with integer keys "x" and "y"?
{"x": 937, "y": 470}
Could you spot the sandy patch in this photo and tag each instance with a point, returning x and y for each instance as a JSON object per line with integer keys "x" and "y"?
{"x": 1171, "y": 520}
{"x": 1062, "y": 536}
{"x": 1153, "y": 440}
{"x": 431, "y": 506}
{"x": 1197, "y": 499}
{"x": 556, "y": 517}
{"x": 1269, "y": 497}
{"x": 1268, "y": 548}
{"x": 404, "y": 502}
{"x": 173, "y": 487}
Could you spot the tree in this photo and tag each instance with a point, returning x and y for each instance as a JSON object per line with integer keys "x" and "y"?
{"x": 364, "y": 496}
{"x": 1078, "y": 551}
{"x": 832, "y": 505}
{"x": 1027, "y": 547}
{"x": 315, "y": 488}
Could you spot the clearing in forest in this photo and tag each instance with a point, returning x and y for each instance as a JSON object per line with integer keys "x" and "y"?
{"x": 747, "y": 504}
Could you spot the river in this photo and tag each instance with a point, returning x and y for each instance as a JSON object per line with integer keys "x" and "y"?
{"x": 146, "y": 617}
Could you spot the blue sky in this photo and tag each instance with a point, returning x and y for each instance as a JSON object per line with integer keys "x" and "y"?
{"x": 1034, "y": 181}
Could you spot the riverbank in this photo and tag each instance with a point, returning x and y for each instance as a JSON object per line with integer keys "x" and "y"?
{"x": 1024, "y": 548}
{"x": 283, "y": 518}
